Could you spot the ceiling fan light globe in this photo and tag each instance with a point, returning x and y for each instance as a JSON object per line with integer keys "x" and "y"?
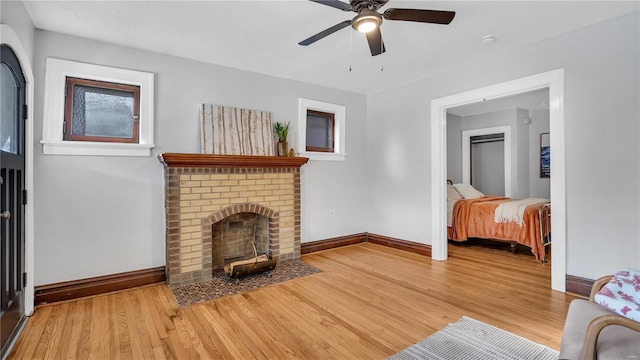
{"x": 367, "y": 26}
{"x": 366, "y": 21}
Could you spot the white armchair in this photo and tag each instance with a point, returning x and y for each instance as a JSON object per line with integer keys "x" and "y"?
{"x": 592, "y": 331}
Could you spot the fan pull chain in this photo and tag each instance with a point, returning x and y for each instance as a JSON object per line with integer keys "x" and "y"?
{"x": 350, "y": 49}
{"x": 381, "y": 68}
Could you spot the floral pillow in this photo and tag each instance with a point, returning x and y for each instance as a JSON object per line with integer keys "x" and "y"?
{"x": 622, "y": 294}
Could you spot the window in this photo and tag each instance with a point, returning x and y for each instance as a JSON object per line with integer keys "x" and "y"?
{"x": 320, "y": 127}
{"x": 321, "y": 130}
{"x": 101, "y": 111}
{"x": 97, "y": 110}
{"x": 10, "y": 98}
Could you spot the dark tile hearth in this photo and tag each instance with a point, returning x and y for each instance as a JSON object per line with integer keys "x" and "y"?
{"x": 222, "y": 285}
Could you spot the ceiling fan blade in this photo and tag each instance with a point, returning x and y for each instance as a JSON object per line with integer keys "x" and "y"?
{"x": 325, "y": 33}
{"x": 425, "y": 16}
{"x": 376, "y": 44}
{"x": 334, "y": 4}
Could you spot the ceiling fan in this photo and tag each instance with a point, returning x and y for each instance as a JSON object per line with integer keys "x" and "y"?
{"x": 369, "y": 20}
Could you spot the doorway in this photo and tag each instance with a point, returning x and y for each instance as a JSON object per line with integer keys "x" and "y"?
{"x": 12, "y": 195}
{"x": 554, "y": 81}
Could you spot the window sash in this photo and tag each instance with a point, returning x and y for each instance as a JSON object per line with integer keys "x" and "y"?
{"x": 330, "y": 131}
{"x": 69, "y": 110}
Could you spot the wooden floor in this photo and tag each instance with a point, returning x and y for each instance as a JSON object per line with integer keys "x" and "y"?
{"x": 369, "y": 302}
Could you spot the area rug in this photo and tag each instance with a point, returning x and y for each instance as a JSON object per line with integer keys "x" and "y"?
{"x": 222, "y": 285}
{"x": 472, "y": 339}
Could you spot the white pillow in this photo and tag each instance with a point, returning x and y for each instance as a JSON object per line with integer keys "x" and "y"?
{"x": 453, "y": 194}
{"x": 467, "y": 191}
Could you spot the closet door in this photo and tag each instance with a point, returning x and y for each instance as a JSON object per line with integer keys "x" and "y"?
{"x": 487, "y": 164}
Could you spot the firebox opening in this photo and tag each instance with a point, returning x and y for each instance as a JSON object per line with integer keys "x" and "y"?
{"x": 233, "y": 235}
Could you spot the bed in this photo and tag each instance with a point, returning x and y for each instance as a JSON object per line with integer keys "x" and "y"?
{"x": 473, "y": 215}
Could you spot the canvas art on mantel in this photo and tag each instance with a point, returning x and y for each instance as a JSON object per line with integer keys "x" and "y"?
{"x": 228, "y": 130}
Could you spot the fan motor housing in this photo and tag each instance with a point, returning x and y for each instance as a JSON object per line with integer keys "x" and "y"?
{"x": 360, "y": 5}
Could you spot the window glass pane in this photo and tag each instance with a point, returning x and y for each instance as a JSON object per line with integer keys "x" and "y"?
{"x": 102, "y": 112}
{"x": 319, "y": 131}
{"x": 8, "y": 110}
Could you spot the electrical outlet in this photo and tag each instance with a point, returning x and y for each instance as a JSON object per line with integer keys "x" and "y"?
{"x": 332, "y": 213}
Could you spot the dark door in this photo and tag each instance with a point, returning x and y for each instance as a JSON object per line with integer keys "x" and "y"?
{"x": 12, "y": 177}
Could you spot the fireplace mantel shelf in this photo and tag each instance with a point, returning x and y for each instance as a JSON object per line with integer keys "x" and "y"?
{"x": 230, "y": 161}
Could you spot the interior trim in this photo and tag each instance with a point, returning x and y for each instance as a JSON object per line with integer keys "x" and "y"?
{"x": 579, "y": 285}
{"x": 414, "y": 247}
{"x": 332, "y": 243}
{"x": 70, "y": 290}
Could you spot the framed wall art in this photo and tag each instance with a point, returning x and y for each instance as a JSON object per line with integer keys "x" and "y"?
{"x": 545, "y": 155}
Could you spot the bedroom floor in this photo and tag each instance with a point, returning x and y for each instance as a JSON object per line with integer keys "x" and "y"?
{"x": 369, "y": 301}
{"x": 498, "y": 248}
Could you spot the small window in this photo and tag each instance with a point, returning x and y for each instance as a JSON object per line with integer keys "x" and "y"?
{"x": 101, "y": 111}
{"x": 320, "y": 131}
{"x": 96, "y": 110}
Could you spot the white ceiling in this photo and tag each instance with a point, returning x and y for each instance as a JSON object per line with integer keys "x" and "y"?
{"x": 262, "y": 36}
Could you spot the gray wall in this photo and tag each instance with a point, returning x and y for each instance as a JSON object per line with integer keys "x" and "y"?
{"x": 522, "y": 155}
{"x": 454, "y": 148}
{"x": 14, "y": 14}
{"x": 538, "y": 187}
{"x": 601, "y": 65}
{"x": 105, "y": 215}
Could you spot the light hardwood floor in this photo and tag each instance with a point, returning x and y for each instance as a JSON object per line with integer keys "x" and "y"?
{"x": 369, "y": 302}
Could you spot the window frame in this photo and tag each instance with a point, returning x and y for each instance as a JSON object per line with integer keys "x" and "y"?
{"x": 53, "y": 141}
{"x": 339, "y": 130}
{"x": 68, "y": 112}
{"x": 332, "y": 121}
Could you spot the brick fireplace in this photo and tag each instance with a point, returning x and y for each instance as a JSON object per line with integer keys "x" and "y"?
{"x": 206, "y": 192}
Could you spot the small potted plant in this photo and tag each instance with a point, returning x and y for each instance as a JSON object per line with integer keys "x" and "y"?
{"x": 282, "y": 131}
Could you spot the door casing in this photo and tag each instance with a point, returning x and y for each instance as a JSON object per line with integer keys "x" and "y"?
{"x": 554, "y": 80}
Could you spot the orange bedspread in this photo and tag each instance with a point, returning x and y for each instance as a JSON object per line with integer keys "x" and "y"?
{"x": 474, "y": 218}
